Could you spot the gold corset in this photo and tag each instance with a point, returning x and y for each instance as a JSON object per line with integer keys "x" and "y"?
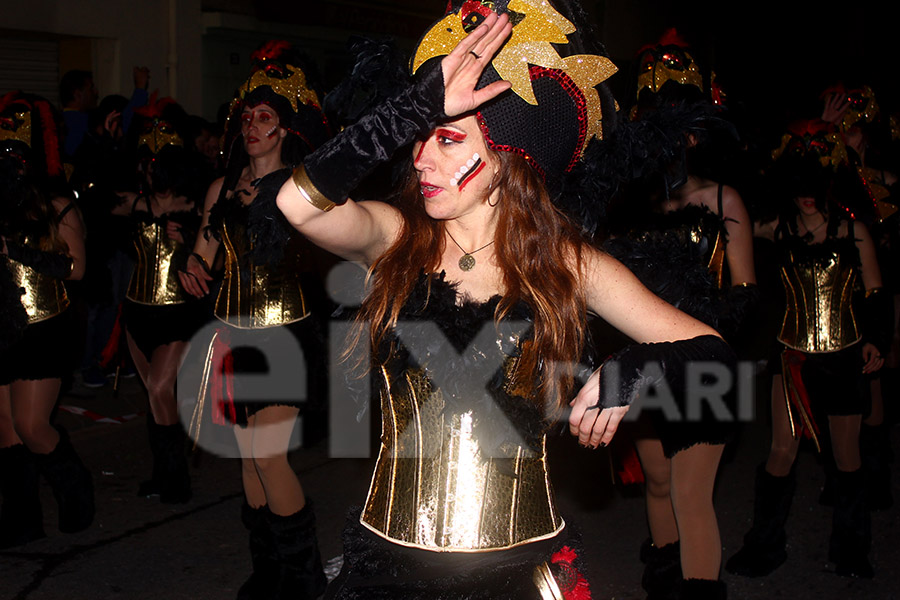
{"x": 44, "y": 296}
{"x": 818, "y": 313}
{"x": 716, "y": 263}
{"x": 262, "y": 295}
{"x": 436, "y": 488}
{"x": 155, "y": 278}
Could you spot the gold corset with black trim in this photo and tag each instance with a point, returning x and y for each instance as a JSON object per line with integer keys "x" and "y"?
{"x": 819, "y": 291}
{"x": 256, "y": 296}
{"x": 155, "y": 277}
{"x": 44, "y": 296}
{"x": 437, "y": 487}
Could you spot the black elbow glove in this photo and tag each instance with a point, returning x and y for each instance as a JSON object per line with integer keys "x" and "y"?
{"x": 52, "y": 264}
{"x": 878, "y": 319}
{"x": 629, "y": 371}
{"x": 329, "y": 174}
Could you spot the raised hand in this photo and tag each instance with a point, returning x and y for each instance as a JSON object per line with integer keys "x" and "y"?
{"x": 464, "y": 65}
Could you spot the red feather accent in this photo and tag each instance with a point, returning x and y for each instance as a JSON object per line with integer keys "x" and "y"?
{"x": 222, "y": 385}
{"x": 154, "y": 108}
{"x": 10, "y": 98}
{"x": 629, "y": 465}
{"x": 51, "y": 140}
{"x": 111, "y": 349}
{"x": 792, "y": 363}
{"x": 565, "y": 559}
{"x": 272, "y": 49}
{"x": 670, "y": 37}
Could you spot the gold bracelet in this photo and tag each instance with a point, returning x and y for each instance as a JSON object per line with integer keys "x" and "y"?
{"x": 203, "y": 262}
{"x": 309, "y": 191}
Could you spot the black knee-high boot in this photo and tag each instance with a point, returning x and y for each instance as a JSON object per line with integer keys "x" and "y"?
{"x": 703, "y": 589}
{"x": 266, "y": 569}
{"x": 764, "y": 545}
{"x": 662, "y": 571}
{"x": 851, "y": 529}
{"x": 72, "y": 485}
{"x": 152, "y": 486}
{"x": 301, "y": 574}
{"x": 21, "y": 519}
{"x": 175, "y": 487}
{"x": 874, "y": 449}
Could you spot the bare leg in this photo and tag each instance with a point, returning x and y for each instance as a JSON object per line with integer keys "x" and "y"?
{"x": 8, "y": 436}
{"x": 693, "y": 479}
{"x": 876, "y": 414}
{"x": 845, "y": 441}
{"x": 272, "y": 429}
{"x": 253, "y": 488}
{"x": 784, "y": 447}
{"x": 657, "y": 475}
{"x": 32, "y": 402}
{"x": 163, "y": 372}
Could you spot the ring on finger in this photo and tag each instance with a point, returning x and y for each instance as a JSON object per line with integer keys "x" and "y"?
{"x": 477, "y": 56}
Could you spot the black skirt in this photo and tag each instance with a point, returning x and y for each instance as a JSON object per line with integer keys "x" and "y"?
{"x": 834, "y": 381}
{"x": 275, "y": 366}
{"x": 377, "y": 569}
{"x": 47, "y": 350}
{"x": 152, "y": 326}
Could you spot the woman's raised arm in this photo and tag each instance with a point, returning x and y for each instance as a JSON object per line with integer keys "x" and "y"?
{"x": 315, "y": 200}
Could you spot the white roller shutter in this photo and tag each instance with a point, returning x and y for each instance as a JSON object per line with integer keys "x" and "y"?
{"x": 31, "y": 66}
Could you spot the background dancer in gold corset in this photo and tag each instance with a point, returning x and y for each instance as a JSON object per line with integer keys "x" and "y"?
{"x": 274, "y": 121}
{"x": 480, "y": 288}
{"x": 825, "y": 347}
{"x": 41, "y": 246}
{"x": 160, "y": 317}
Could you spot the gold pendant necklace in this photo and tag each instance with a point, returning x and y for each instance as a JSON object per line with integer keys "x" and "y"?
{"x": 467, "y": 261}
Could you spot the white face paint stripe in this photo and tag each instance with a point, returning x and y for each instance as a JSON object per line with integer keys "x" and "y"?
{"x": 459, "y": 177}
{"x": 271, "y": 132}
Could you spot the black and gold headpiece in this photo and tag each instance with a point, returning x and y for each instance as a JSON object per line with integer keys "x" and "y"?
{"x": 158, "y": 131}
{"x": 28, "y": 129}
{"x": 556, "y": 104}
{"x": 277, "y": 79}
{"x": 667, "y": 60}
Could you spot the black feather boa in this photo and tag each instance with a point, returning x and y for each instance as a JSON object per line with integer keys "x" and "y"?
{"x": 670, "y": 266}
{"x": 265, "y": 224}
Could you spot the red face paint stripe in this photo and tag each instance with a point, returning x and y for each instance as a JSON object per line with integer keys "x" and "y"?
{"x": 455, "y": 136}
{"x": 470, "y": 176}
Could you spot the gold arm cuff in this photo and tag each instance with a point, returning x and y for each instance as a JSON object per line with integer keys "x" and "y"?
{"x": 309, "y": 191}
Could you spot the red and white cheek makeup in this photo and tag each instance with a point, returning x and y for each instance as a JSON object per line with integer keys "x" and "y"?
{"x": 467, "y": 172}
{"x": 271, "y": 132}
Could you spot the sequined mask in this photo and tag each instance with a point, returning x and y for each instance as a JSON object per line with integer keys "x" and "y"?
{"x": 667, "y": 63}
{"x": 15, "y": 126}
{"x": 159, "y": 133}
{"x": 863, "y": 108}
{"x": 816, "y": 139}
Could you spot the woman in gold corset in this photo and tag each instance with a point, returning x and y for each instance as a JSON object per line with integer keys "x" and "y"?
{"x": 41, "y": 246}
{"x": 160, "y": 317}
{"x": 828, "y": 341}
{"x": 263, "y": 312}
{"x": 476, "y": 310}
{"x": 687, "y": 236}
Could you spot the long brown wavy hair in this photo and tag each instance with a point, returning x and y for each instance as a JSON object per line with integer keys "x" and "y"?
{"x": 539, "y": 252}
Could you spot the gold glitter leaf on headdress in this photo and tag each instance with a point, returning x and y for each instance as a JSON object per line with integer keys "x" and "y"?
{"x": 537, "y": 26}
{"x": 293, "y": 87}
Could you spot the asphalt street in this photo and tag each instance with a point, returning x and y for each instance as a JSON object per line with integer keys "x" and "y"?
{"x": 140, "y": 549}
